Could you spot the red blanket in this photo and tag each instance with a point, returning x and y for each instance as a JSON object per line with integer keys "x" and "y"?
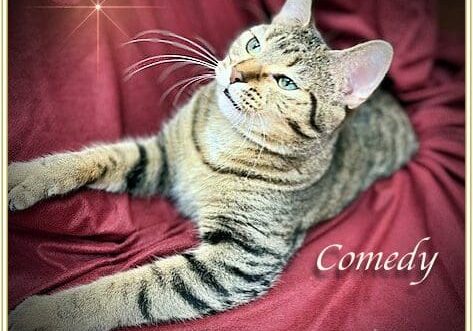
{"x": 59, "y": 102}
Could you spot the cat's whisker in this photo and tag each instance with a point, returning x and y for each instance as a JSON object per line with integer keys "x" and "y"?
{"x": 250, "y": 129}
{"x": 182, "y": 89}
{"x": 249, "y": 124}
{"x": 173, "y": 43}
{"x": 174, "y": 35}
{"x": 235, "y": 121}
{"x": 170, "y": 56}
{"x": 246, "y": 140}
{"x": 129, "y": 75}
{"x": 168, "y": 91}
{"x": 172, "y": 68}
{"x": 262, "y": 145}
{"x": 206, "y": 44}
{"x": 235, "y": 124}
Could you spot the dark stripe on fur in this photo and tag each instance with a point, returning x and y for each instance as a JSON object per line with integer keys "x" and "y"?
{"x": 229, "y": 236}
{"x": 233, "y": 220}
{"x": 162, "y": 180}
{"x": 297, "y": 129}
{"x": 217, "y": 237}
{"x": 274, "y": 34}
{"x": 157, "y": 273}
{"x": 250, "y": 278}
{"x": 136, "y": 175}
{"x": 230, "y": 171}
{"x": 205, "y": 274}
{"x": 184, "y": 291}
{"x": 287, "y": 51}
{"x": 294, "y": 62}
{"x": 313, "y": 114}
{"x": 144, "y": 303}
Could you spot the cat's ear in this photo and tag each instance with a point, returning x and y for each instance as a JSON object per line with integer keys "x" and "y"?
{"x": 295, "y": 12}
{"x": 362, "y": 68}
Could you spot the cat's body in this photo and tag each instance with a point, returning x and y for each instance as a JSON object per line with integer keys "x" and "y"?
{"x": 253, "y": 190}
{"x": 296, "y": 186}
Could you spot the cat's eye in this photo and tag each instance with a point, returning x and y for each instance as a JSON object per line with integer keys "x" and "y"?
{"x": 253, "y": 47}
{"x": 286, "y": 83}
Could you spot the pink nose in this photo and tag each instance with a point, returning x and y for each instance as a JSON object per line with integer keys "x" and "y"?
{"x": 236, "y": 76}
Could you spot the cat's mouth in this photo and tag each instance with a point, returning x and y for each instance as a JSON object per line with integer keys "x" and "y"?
{"x": 233, "y": 102}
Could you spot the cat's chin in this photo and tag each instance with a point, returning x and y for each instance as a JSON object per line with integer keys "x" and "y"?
{"x": 229, "y": 108}
{"x": 232, "y": 101}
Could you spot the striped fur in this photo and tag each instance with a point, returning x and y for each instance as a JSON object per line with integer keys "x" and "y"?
{"x": 255, "y": 168}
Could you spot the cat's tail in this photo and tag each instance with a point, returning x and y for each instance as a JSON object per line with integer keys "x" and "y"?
{"x": 225, "y": 271}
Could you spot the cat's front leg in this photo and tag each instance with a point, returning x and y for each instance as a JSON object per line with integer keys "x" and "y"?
{"x": 233, "y": 265}
{"x": 130, "y": 166}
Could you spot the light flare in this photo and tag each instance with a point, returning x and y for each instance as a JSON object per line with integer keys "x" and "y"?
{"x": 98, "y": 8}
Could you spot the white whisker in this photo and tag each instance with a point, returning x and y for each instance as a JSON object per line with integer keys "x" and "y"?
{"x": 166, "y": 94}
{"x": 131, "y": 73}
{"x": 172, "y": 68}
{"x": 264, "y": 140}
{"x": 178, "y": 95}
{"x": 171, "y": 34}
{"x": 170, "y": 56}
{"x": 173, "y": 43}
{"x": 206, "y": 44}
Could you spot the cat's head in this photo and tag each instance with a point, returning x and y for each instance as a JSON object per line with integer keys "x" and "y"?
{"x": 283, "y": 81}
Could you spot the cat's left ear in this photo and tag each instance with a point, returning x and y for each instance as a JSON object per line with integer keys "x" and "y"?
{"x": 295, "y": 12}
{"x": 362, "y": 68}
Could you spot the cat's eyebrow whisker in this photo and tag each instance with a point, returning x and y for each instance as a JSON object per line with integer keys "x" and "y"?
{"x": 173, "y": 43}
{"x": 174, "y": 35}
{"x": 168, "y": 91}
{"x": 130, "y": 73}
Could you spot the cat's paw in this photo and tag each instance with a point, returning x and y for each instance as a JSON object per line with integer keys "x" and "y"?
{"x": 26, "y": 185}
{"x": 56, "y": 312}
{"x": 36, "y": 313}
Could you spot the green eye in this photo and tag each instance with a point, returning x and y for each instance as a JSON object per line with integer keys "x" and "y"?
{"x": 286, "y": 83}
{"x": 253, "y": 47}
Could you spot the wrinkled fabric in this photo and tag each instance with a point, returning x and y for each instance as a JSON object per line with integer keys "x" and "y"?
{"x": 59, "y": 99}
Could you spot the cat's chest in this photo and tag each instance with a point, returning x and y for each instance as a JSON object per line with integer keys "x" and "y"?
{"x": 196, "y": 185}
{"x": 195, "y": 181}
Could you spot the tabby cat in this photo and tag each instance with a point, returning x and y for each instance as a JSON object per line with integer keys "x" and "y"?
{"x": 283, "y": 138}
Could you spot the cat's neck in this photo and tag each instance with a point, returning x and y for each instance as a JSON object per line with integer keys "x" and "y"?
{"x": 227, "y": 146}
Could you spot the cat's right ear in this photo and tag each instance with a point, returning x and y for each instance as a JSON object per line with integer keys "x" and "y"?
{"x": 295, "y": 12}
{"x": 362, "y": 68}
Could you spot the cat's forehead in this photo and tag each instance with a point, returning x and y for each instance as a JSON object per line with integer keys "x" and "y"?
{"x": 283, "y": 36}
{"x": 294, "y": 42}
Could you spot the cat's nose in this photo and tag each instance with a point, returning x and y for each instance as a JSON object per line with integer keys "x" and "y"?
{"x": 247, "y": 71}
{"x": 236, "y": 76}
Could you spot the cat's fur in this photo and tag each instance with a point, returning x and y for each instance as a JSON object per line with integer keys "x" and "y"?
{"x": 254, "y": 165}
